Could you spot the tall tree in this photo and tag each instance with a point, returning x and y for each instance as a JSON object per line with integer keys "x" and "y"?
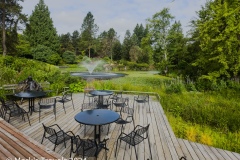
{"x": 177, "y": 46}
{"x": 112, "y": 38}
{"x": 66, "y": 43}
{"x": 117, "y": 50}
{"x": 159, "y": 26}
{"x": 219, "y": 35}
{"x": 88, "y": 33}
{"x": 140, "y": 32}
{"x": 10, "y": 13}
{"x": 75, "y": 41}
{"x": 126, "y": 46}
{"x": 40, "y": 30}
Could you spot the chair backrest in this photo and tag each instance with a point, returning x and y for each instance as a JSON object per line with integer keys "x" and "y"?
{"x": 88, "y": 89}
{"x": 128, "y": 110}
{"x": 2, "y": 111}
{"x": 67, "y": 96}
{"x": 5, "y": 106}
{"x": 116, "y": 95}
{"x": 49, "y": 130}
{"x": 88, "y": 106}
{"x": 141, "y": 98}
{"x": 47, "y": 101}
{"x": 142, "y": 130}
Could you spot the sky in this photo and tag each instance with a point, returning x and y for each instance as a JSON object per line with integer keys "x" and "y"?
{"x": 121, "y": 15}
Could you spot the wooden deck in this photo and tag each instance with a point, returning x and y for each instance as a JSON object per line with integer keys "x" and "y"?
{"x": 164, "y": 144}
{"x": 14, "y": 144}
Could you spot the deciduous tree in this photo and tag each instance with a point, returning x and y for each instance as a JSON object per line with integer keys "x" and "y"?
{"x": 159, "y": 26}
{"x": 11, "y": 16}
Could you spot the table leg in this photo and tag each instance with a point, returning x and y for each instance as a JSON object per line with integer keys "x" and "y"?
{"x": 97, "y": 134}
{"x": 31, "y": 105}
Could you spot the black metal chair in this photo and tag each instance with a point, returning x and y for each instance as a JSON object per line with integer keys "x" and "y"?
{"x": 88, "y": 95}
{"x": 126, "y": 116}
{"x": 2, "y": 112}
{"x": 138, "y": 135}
{"x": 56, "y": 135}
{"x": 11, "y": 108}
{"x": 116, "y": 95}
{"x": 47, "y": 103}
{"x": 67, "y": 97}
{"x": 105, "y": 105}
{"x": 87, "y": 147}
{"x": 142, "y": 99}
{"x": 120, "y": 102}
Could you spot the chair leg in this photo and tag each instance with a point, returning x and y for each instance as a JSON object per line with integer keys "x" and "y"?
{"x": 73, "y": 105}
{"x": 150, "y": 148}
{"x": 136, "y": 152}
{"x": 54, "y": 147}
{"x": 39, "y": 114}
{"x": 54, "y": 111}
{"x": 116, "y": 147}
{"x": 43, "y": 138}
{"x": 28, "y": 120}
{"x": 64, "y": 108}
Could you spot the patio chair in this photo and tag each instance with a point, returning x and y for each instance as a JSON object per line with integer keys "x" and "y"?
{"x": 66, "y": 97}
{"x": 138, "y": 135}
{"x": 87, "y": 147}
{"x": 126, "y": 116}
{"x": 115, "y": 96}
{"x": 105, "y": 105}
{"x": 56, "y": 135}
{"x": 2, "y": 112}
{"x": 47, "y": 103}
{"x": 142, "y": 99}
{"x": 120, "y": 102}
{"x": 88, "y": 95}
{"x": 11, "y": 108}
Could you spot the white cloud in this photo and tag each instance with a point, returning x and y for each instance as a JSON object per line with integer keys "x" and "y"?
{"x": 121, "y": 15}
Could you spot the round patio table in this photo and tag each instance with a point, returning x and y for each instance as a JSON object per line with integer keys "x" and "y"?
{"x": 30, "y": 95}
{"x": 96, "y": 118}
{"x": 100, "y": 94}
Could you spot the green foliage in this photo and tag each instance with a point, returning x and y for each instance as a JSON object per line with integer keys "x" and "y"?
{"x": 45, "y": 54}
{"x": 23, "y": 48}
{"x": 137, "y": 66}
{"x": 175, "y": 88}
{"x": 40, "y": 30}
{"x": 15, "y": 70}
{"x": 219, "y": 28}
{"x": 77, "y": 87}
{"x": 69, "y": 57}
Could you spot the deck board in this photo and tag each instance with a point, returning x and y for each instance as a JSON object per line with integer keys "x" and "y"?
{"x": 164, "y": 145}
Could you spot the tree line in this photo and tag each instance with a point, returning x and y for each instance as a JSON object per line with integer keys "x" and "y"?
{"x": 209, "y": 53}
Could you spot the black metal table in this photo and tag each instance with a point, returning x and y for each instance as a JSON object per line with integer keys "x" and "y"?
{"x": 96, "y": 118}
{"x": 30, "y": 95}
{"x": 100, "y": 94}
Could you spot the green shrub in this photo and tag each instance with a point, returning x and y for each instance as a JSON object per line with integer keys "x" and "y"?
{"x": 69, "y": 57}
{"x": 45, "y": 54}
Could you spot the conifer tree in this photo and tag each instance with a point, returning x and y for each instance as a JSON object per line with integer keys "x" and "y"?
{"x": 40, "y": 30}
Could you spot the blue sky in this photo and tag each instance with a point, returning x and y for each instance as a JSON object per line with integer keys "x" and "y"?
{"x": 122, "y": 15}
